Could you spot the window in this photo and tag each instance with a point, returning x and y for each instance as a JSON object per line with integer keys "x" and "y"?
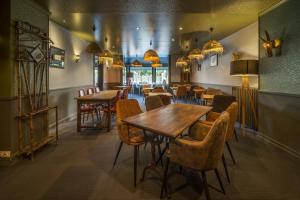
{"x": 162, "y": 75}
{"x": 96, "y": 66}
{"x": 142, "y": 75}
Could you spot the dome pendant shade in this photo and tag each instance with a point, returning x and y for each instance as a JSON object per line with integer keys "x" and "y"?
{"x": 94, "y": 48}
{"x": 212, "y": 47}
{"x": 136, "y": 63}
{"x": 117, "y": 63}
{"x": 106, "y": 55}
{"x": 182, "y": 62}
{"x": 196, "y": 54}
{"x": 156, "y": 64}
{"x": 151, "y": 56}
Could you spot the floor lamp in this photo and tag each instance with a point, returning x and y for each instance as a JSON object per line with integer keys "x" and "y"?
{"x": 245, "y": 68}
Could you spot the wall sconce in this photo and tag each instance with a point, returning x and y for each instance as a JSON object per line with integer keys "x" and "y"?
{"x": 76, "y": 58}
{"x": 270, "y": 45}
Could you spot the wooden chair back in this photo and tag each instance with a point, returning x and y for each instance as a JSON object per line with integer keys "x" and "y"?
{"x": 153, "y": 102}
{"x": 90, "y": 91}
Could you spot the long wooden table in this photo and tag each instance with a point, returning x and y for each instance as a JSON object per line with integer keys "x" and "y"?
{"x": 170, "y": 120}
{"x": 105, "y": 97}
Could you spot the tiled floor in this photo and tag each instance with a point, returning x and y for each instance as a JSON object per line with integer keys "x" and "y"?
{"x": 80, "y": 167}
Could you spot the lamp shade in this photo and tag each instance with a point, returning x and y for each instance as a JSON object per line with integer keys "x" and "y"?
{"x": 244, "y": 67}
{"x": 93, "y": 47}
{"x": 151, "y": 56}
{"x": 136, "y": 63}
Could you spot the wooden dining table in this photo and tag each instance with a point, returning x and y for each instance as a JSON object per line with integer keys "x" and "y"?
{"x": 121, "y": 87}
{"x": 104, "y": 97}
{"x": 169, "y": 121}
{"x": 160, "y": 93}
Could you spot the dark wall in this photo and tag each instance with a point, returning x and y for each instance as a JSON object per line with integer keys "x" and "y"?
{"x": 279, "y": 97}
{"x": 281, "y": 74}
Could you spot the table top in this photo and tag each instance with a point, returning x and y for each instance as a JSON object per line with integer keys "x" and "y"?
{"x": 208, "y": 96}
{"x": 122, "y": 86}
{"x": 170, "y": 120}
{"x": 101, "y": 96}
{"x": 160, "y": 93}
{"x": 199, "y": 90}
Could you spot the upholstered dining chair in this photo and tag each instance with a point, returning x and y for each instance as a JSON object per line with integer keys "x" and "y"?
{"x": 221, "y": 103}
{"x": 165, "y": 99}
{"x": 180, "y": 92}
{"x": 199, "y": 155}
{"x": 153, "y": 102}
{"x": 158, "y": 89}
{"x": 213, "y": 116}
{"x": 129, "y": 135}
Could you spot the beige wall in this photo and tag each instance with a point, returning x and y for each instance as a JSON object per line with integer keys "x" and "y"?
{"x": 74, "y": 74}
{"x": 245, "y": 41}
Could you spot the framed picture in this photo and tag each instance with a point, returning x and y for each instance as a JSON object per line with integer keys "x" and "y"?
{"x": 214, "y": 60}
{"x": 57, "y": 57}
{"x": 37, "y": 54}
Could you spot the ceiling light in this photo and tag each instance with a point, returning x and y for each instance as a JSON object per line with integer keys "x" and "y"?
{"x": 182, "y": 62}
{"x": 156, "y": 64}
{"x": 151, "y": 55}
{"x": 106, "y": 55}
{"x": 137, "y": 28}
{"x": 117, "y": 63}
{"x": 196, "y": 54}
{"x": 173, "y": 39}
{"x": 212, "y": 46}
{"x": 93, "y": 47}
{"x": 180, "y": 28}
{"x": 136, "y": 63}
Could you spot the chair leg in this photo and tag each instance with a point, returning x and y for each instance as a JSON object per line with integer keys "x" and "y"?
{"x": 165, "y": 179}
{"x": 225, "y": 168}
{"x": 219, "y": 179}
{"x": 231, "y": 155}
{"x": 236, "y": 136}
{"x": 159, "y": 153}
{"x": 135, "y": 163}
{"x": 118, "y": 152}
{"x": 206, "y": 191}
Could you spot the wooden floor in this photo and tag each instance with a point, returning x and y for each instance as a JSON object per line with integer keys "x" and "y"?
{"x": 80, "y": 167}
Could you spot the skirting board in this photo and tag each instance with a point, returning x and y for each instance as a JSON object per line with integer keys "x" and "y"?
{"x": 263, "y": 138}
{"x": 278, "y": 145}
{"x": 68, "y": 118}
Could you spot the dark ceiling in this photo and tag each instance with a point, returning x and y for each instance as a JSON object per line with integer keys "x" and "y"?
{"x": 158, "y": 20}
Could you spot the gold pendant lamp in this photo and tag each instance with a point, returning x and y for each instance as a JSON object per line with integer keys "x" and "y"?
{"x": 136, "y": 63}
{"x": 93, "y": 47}
{"x": 212, "y": 46}
{"x": 151, "y": 55}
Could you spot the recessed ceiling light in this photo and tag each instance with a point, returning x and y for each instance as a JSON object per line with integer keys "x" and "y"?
{"x": 64, "y": 21}
{"x": 137, "y": 28}
{"x": 180, "y": 28}
{"x": 173, "y": 39}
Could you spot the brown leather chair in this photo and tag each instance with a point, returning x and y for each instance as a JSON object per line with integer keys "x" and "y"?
{"x": 129, "y": 135}
{"x": 200, "y": 155}
{"x": 213, "y": 116}
{"x": 153, "y": 102}
{"x": 181, "y": 92}
{"x": 158, "y": 89}
{"x": 165, "y": 99}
